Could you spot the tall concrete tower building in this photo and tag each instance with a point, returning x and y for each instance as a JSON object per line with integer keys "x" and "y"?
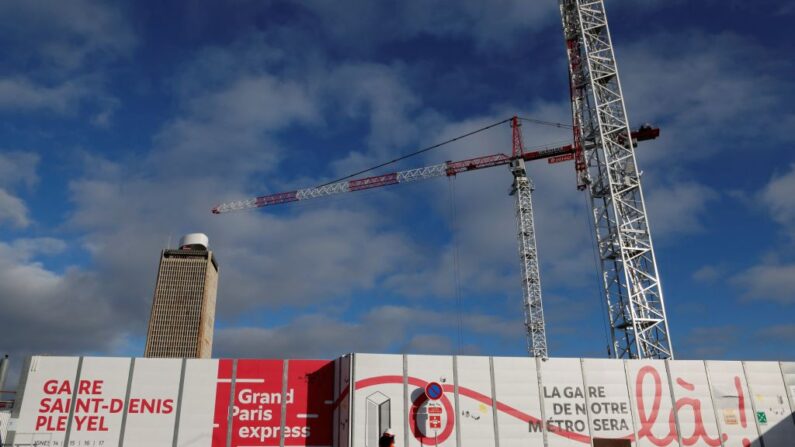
{"x": 183, "y": 308}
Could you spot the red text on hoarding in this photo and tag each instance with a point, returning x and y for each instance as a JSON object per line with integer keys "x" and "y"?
{"x": 89, "y": 411}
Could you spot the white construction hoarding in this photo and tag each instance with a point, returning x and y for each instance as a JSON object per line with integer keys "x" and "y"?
{"x": 446, "y": 401}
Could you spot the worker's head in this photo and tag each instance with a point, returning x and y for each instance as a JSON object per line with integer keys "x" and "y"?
{"x": 387, "y": 439}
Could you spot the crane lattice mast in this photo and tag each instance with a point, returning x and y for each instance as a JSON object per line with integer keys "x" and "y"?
{"x": 522, "y": 188}
{"x": 606, "y": 166}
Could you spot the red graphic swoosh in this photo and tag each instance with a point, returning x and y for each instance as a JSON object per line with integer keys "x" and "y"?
{"x": 472, "y": 394}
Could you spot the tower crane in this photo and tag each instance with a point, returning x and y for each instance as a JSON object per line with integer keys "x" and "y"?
{"x": 606, "y": 167}
{"x": 521, "y": 188}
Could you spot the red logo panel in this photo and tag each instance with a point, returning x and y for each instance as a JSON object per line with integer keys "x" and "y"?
{"x": 310, "y": 404}
{"x": 257, "y": 403}
{"x": 257, "y": 410}
{"x": 222, "y": 389}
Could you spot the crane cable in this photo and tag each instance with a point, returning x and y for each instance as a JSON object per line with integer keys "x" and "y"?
{"x": 437, "y": 145}
{"x": 546, "y": 123}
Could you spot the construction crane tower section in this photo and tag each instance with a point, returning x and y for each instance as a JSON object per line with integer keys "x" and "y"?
{"x": 606, "y": 166}
{"x": 522, "y": 188}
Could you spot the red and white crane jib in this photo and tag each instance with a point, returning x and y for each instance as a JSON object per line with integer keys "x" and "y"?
{"x": 449, "y": 168}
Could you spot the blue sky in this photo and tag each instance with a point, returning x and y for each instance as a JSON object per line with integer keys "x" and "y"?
{"x": 124, "y": 123}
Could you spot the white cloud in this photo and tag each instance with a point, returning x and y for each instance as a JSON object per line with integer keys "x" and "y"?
{"x": 228, "y": 132}
{"x": 49, "y": 312}
{"x": 428, "y": 344}
{"x": 733, "y": 341}
{"x": 779, "y": 331}
{"x": 61, "y": 49}
{"x": 22, "y": 94}
{"x": 308, "y": 336}
{"x": 774, "y": 278}
{"x": 771, "y": 282}
{"x": 382, "y": 328}
{"x": 13, "y": 210}
{"x": 241, "y": 108}
{"x": 261, "y": 102}
{"x": 63, "y": 35}
{"x": 490, "y": 24}
{"x": 691, "y": 85}
{"x": 678, "y": 209}
{"x": 709, "y": 342}
{"x": 779, "y": 197}
{"x": 24, "y": 249}
{"x": 708, "y": 273}
{"x": 18, "y": 167}
{"x": 378, "y": 94}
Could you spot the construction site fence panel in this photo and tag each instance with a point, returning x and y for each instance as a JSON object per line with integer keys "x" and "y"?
{"x": 444, "y": 401}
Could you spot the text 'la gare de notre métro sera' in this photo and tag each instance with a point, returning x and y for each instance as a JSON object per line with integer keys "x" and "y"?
{"x": 607, "y": 416}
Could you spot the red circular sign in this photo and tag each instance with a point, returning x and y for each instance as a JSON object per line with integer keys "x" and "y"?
{"x": 434, "y": 390}
{"x": 419, "y": 433}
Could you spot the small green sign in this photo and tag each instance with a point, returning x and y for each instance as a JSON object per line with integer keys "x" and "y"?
{"x": 761, "y": 417}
